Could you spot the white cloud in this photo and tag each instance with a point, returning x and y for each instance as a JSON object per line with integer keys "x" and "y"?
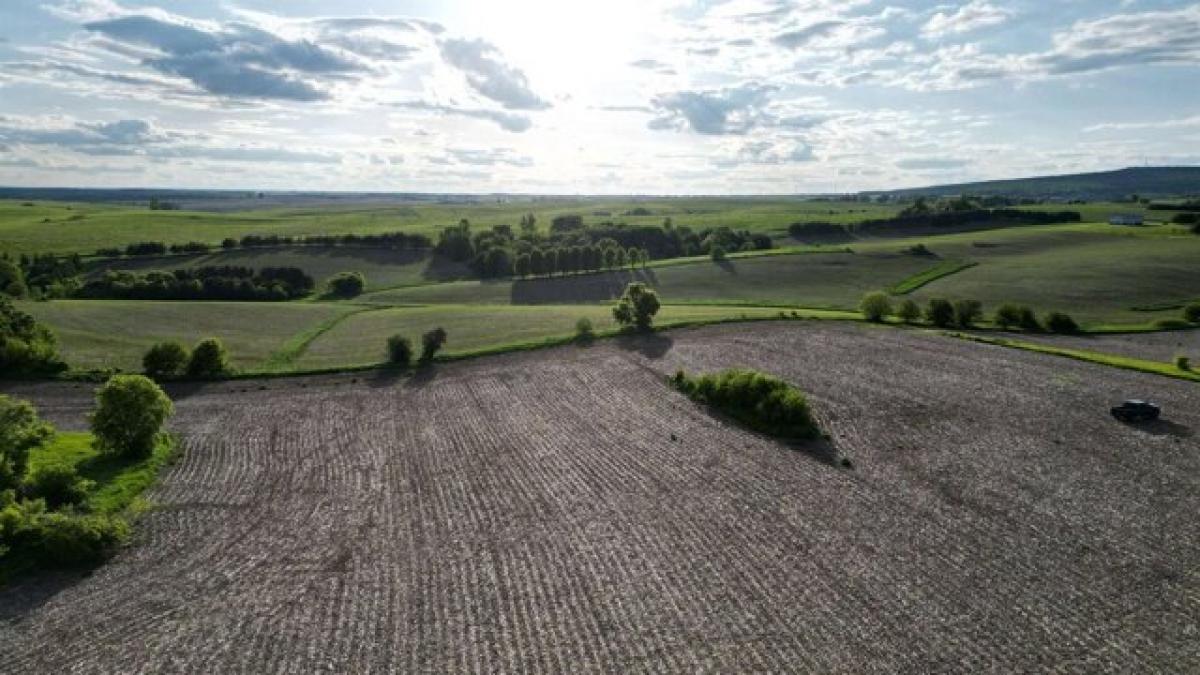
{"x": 969, "y": 17}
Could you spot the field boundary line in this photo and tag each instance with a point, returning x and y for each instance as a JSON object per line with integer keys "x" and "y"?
{"x": 295, "y": 346}
{"x": 1160, "y": 368}
{"x": 927, "y": 276}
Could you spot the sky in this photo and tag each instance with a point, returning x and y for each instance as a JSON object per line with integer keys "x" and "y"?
{"x": 591, "y": 96}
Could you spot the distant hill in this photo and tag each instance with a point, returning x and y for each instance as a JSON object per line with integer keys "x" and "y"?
{"x": 1153, "y": 181}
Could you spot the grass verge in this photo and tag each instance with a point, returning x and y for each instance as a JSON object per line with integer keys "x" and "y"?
{"x": 1113, "y": 360}
{"x": 938, "y": 271}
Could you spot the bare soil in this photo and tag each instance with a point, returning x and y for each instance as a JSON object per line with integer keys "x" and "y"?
{"x": 1160, "y": 346}
{"x": 564, "y": 510}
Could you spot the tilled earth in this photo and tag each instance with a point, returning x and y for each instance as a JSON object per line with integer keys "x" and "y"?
{"x": 564, "y": 510}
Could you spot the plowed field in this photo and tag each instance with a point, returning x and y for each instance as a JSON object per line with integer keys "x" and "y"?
{"x": 564, "y": 511}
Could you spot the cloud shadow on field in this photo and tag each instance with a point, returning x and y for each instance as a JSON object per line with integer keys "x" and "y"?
{"x": 650, "y": 345}
{"x": 578, "y": 289}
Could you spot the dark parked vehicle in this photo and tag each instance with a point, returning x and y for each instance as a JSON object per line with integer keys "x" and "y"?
{"x": 1135, "y": 410}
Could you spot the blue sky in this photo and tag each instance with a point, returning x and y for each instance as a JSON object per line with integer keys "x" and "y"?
{"x": 619, "y": 96}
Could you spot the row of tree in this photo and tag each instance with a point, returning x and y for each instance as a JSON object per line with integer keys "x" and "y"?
{"x": 963, "y": 313}
{"x": 389, "y": 240}
{"x": 226, "y": 282}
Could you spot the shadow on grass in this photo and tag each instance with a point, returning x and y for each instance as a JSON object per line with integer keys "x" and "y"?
{"x": 726, "y": 266}
{"x": 579, "y": 288}
{"x": 25, "y": 594}
{"x": 649, "y": 344}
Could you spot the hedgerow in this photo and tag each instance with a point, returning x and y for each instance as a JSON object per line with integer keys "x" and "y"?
{"x": 762, "y": 402}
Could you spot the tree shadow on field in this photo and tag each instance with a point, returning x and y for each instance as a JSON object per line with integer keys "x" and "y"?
{"x": 422, "y": 375}
{"x": 578, "y": 288}
{"x": 649, "y": 344}
{"x": 384, "y": 378}
{"x": 820, "y": 449}
{"x": 26, "y": 595}
{"x": 726, "y": 266}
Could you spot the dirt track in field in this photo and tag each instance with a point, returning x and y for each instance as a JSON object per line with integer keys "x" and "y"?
{"x": 532, "y": 513}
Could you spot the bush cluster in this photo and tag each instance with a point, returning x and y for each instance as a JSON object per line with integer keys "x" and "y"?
{"x": 347, "y": 284}
{"x": 1191, "y": 313}
{"x": 26, "y": 346}
{"x": 169, "y": 360}
{"x": 760, "y": 401}
{"x": 400, "y": 348}
{"x": 44, "y": 514}
{"x": 225, "y": 282}
{"x": 915, "y": 218}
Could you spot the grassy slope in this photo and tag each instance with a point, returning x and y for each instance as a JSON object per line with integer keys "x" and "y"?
{"x": 115, "y": 333}
{"x": 360, "y": 339}
{"x": 811, "y": 280}
{"x": 382, "y": 268}
{"x": 119, "y": 482}
{"x": 66, "y": 228}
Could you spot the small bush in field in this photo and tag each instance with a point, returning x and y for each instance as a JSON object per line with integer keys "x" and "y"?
{"x": 875, "y": 306}
{"x": 940, "y": 312}
{"x": 760, "y": 401}
{"x": 1059, "y": 322}
{"x": 1183, "y": 363}
{"x": 400, "y": 351}
{"x": 584, "y": 330}
{"x": 165, "y": 360}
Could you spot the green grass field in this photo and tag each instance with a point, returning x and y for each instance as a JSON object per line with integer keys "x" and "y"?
{"x": 1105, "y": 276}
{"x": 119, "y": 481}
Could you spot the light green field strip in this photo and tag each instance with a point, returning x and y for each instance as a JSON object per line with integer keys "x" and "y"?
{"x": 938, "y": 271}
{"x": 1113, "y": 360}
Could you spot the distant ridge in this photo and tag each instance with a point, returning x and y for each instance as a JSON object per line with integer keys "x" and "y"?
{"x": 1150, "y": 181}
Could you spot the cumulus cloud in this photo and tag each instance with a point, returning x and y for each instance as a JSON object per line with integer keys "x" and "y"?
{"x": 971, "y": 16}
{"x": 237, "y": 60}
{"x": 1169, "y": 37}
{"x": 488, "y": 157}
{"x": 730, "y": 110}
{"x": 489, "y": 75}
{"x": 800, "y": 37}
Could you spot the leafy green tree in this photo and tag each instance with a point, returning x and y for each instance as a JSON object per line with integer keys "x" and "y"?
{"x": 910, "y": 311}
{"x": 165, "y": 360}
{"x": 967, "y": 313}
{"x": 1060, "y": 322}
{"x": 584, "y": 330}
{"x": 1008, "y": 315}
{"x": 130, "y": 412}
{"x": 1191, "y": 313}
{"x": 347, "y": 284}
{"x": 431, "y": 343}
{"x": 717, "y": 253}
{"x": 1028, "y": 321}
{"x": 20, "y": 431}
{"x": 875, "y": 306}
{"x": 400, "y": 351}
{"x": 209, "y": 359}
{"x": 521, "y": 265}
{"x": 637, "y": 306}
{"x": 26, "y": 346}
{"x": 12, "y": 279}
{"x": 940, "y": 312}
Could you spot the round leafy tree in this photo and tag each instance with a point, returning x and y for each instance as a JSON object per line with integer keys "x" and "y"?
{"x": 347, "y": 284}
{"x": 637, "y": 306}
{"x": 165, "y": 359}
{"x": 130, "y": 412}
{"x": 209, "y": 359}
{"x": 875, "y": 306}
{"x": 400, "y": 351}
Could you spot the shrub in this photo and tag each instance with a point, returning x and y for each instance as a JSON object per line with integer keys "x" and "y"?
{"x": 26, "y": 346}
{"x": 347, "y": 284}
{"x": 12, "y": 279}
{"x": 1007, "y": 315}
{"x": 1059, "y": 322}
{"x": 1028, "y": 321}
{"x": 165, "y": 360}
{"x": 58, "y": 484}
{"x": 875, "y": 306}
{"x": 940, "y": 312}
{"x": 910, "y": 311}
{"x": 637, "y": 306}
{"x": 584, "y": 330}
{"x": 67, "y": 540}
{"x": 20, "y": 431}
{"x": 1183, "y": 363}
{"x": 209, "y": 359}
{"x": 967, "y": 313}
{"x": 758, "y": 400}
{"x": 1191, "y": 313}
{"x": 431, "y": 342}
{"x": 400, "y": 351}
{"x": 718, "y": 253}
{"x": 130, "y": 412}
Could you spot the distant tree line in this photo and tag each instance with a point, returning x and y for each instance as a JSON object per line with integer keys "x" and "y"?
{"x": 572, "y": 246}
{"x": 922, "y": 218}
{"x": 390, "y": 240}
{"x": 1189, "y": 205}
{"x": 226, "y": 282}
